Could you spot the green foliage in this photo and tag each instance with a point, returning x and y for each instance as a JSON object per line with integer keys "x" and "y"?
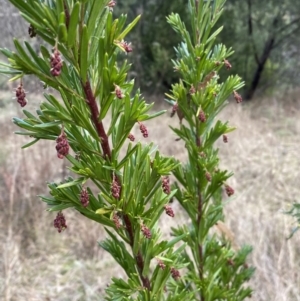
{"x": 131, "y": 192}
{"x": 216, "y": 271}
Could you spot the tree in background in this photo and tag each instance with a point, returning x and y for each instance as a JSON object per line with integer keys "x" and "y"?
{"x": 265, "y": 36}
{"x": 153, "y": 41}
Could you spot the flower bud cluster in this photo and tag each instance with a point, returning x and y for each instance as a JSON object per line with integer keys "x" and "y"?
{"x": 56, "y": 63}
{"x": 131, "y": 137}
{"x": 62, "y": 145}
{"x": 116, "y": 221}
{"x": 202, "y": 116}
{"x": 115, "y": 188}
{"x": 60, "y": 222}
{"x": 20, "y": 95}
{"x": 169, "y": 211}
{"x": 174, "y": 109}
{"x": 229, "y": 190}
{"x": 166, "y": 185}
{"x": 175, "y": 274}
{"x": 146, "y": 231}
{"x": 143, "y": 130}
{"x": 238, "y": 98}
{"x": 84, "y": 197}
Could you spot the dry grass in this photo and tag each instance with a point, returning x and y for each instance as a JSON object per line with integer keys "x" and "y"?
{"x": 37, "y": 263}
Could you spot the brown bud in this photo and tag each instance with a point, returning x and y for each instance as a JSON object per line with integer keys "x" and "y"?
{"x": 20, "y": 95}
{"x": 192, "y": 90}
{"x": 131, "y": 137}
{"x": 229, "y": 190}
{"x": 208, "y": 176}
{"x": 161, "y": 264}
{"x": 238, "y": 98}
{"x": 84, "y": 197}
{"x": 169, "y": 211}
{"x": 111, "y": 4}
{"x": 146, "y": 231}
{"x": 225, "y": 139}
{"x": 126, "y": 46}
{"x": 166, "y": 185}
{"x": 174, "y": 109}
{"x": 202, "y": 116}
{"x": 143, "y": 130}
{"x": 175, "y": 274}
{"x": 115, "y": 188}
{"x": 56, "y": 63}
{"x": 60, "y": 222}
{"x": 116, "y": 221}
{"x": 227, "y": 64}
{"x": 62, "y": 145}
{"x": 118, "y": 92}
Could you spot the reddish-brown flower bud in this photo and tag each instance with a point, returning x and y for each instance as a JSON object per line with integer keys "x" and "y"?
{"x": 225, "y": 138}
{"x": 56, "y": 63}
{"x": 208, "y": 176}
{"x": 161, "y": 264}
{"x": 126, "y": 46}
{"x": 116, "y": 221}
{"x": 146, "y": 231}
{"x": 202, "y": 116}
{"x": 62, "y": 145}
{"x": 238, "y": 98}
{"x": 229, "y": 190}
{"x": 115, "y": 188}
{"x": 31, "y": 31}
{"x": 143, "y": 130}
{"x": 20, "y": 95}
{"x": 118, "y": 92}
{"x": 84, "y": 197}
{"x": 60, "y": 222}
{"x": 174, "y": 109}
{"x": 192, "y": 90}
{"x": 131, "y": 137}
{"x": 202, "y": 155}
{"x": 111, "y": 4}
{"x": 169, "y": 211}
{"x": 175, "y": 274}
{"x": 166, "y": 185}
{"x": 227, "y": 64}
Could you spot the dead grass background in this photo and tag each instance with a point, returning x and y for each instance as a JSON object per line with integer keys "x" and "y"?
{"x": 37, "y": 263}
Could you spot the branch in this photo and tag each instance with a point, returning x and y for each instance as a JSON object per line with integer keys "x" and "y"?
{"x": 91, "y": 101}
{"x": 139, "y": 258}
{"x": 250, "y": 31}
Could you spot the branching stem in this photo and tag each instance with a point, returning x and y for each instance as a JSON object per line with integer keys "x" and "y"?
{"x": 199, "y": 217}
{"x": 91, "y": 101}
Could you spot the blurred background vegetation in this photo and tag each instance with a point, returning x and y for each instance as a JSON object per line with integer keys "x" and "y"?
{"x": 265, "y": 36}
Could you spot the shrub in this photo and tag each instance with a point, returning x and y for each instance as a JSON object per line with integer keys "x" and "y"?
{"x": 133, "y": 184}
